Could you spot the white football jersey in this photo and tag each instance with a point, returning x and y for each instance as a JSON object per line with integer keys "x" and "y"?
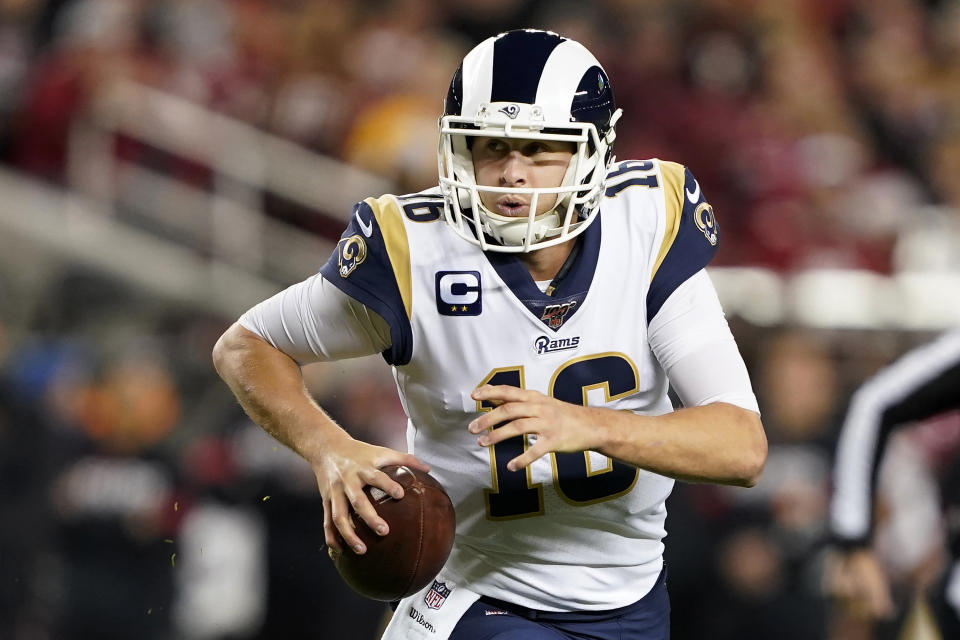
{"x": 574, "y": 530}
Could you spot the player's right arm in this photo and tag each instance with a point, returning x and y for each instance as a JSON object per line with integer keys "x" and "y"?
{"x": 259, "y": 357}
{"x": 269, "y": 385}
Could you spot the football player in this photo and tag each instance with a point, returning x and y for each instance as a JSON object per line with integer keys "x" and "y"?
{"x": 921, "y": 384}
{"x": 534, "y": 308}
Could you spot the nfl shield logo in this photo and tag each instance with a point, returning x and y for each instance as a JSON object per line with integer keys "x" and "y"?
{"x": 437, "y": 595}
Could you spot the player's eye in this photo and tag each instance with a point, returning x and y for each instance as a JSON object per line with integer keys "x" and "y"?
{"x": 496, "y": 146}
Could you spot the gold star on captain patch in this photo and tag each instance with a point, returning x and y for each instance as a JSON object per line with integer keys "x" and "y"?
{"x": 463, "y": 308}
{"x": 453, "y": 308}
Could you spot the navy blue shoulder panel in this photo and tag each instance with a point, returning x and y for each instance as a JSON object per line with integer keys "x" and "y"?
{"x": 696, "y": 241}
{"x": 361, "y": 268}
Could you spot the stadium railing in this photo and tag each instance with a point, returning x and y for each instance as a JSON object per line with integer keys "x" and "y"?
{"x": 217, "y": 247}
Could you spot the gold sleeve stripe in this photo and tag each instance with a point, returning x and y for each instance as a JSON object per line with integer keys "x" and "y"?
{"x": 673, "y": 207}
{"x": 390, "y": 220}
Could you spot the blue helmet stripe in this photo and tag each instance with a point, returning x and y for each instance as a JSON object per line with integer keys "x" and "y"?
{"x": 518, "y": 63}
{"x": 453, "y": 105}
{"x": 593, "y": 99}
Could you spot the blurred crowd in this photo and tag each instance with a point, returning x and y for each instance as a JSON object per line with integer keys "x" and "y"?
{"x": 825, "y": 132}
{"x": 136, "y": 500}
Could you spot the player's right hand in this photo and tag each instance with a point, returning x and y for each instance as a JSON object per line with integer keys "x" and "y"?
{"x": 342, "y": 472}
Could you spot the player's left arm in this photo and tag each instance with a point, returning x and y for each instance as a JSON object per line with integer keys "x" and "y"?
{"x": 718, "y": 436}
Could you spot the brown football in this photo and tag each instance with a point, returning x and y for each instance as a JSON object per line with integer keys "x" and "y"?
{"x": 422, "y": 526}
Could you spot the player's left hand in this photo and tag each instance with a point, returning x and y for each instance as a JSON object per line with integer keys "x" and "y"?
{"x": 558, "y": 426}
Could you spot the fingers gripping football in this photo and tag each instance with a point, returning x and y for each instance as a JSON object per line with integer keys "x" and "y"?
{"x": 341, "y": 477}
{"x": 336, "y": 516}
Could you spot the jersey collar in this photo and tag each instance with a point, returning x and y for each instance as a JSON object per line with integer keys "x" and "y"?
{"x": 568, "y": 294}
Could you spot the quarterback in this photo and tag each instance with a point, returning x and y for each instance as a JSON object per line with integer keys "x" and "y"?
{"x": 534, "y": 306}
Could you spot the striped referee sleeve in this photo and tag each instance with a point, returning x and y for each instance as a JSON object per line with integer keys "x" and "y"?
{"x": 921, "y": 384}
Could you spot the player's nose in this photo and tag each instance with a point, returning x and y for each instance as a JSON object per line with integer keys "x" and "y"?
{"x": 513, "y": 172}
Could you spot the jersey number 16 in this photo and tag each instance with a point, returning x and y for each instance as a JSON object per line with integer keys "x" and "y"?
{"x": 514, "y": 495}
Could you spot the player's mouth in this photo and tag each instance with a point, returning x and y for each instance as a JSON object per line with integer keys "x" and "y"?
{"x": 512, "y": 206}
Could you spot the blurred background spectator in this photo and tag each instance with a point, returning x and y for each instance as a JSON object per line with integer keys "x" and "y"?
{"x": 165, "y": 164}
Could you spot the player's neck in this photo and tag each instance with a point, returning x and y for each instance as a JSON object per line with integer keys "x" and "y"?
{"x": 544, "y": 264}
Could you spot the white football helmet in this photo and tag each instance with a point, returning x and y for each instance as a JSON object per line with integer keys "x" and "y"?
{"x": 527, "y": 84}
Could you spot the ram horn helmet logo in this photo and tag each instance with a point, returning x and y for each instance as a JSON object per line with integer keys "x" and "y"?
{"x": 511, "y": 110}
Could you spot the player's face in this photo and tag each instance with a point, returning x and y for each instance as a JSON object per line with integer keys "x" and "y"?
{"x": 519, "y": 163}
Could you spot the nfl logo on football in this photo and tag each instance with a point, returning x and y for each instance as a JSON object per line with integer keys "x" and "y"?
{"x": 437, "y": 595}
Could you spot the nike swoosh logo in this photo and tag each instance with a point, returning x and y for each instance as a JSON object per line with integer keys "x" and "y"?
{"x": 693, "y": 196}
{"x": 366, "y": 227}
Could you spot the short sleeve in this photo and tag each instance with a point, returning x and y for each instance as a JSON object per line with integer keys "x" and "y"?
{"x": 371, "y": 264}
{"x": 691, "y": 236}
{"x": 693, "y": 343}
